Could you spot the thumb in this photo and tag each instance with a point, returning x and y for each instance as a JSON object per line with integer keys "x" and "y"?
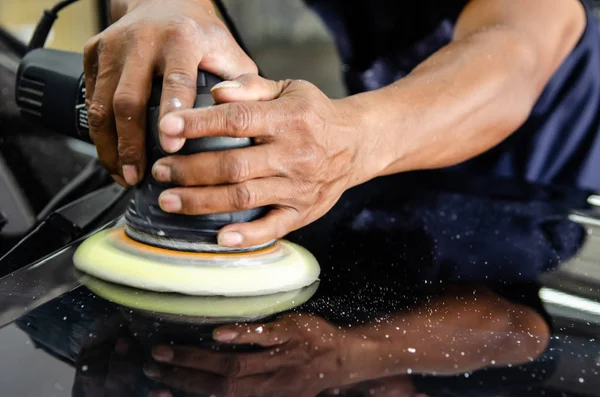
{"x": 248, "y": 87}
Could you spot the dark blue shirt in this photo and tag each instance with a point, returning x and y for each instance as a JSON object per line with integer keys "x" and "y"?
{"x": 381, "y": 41}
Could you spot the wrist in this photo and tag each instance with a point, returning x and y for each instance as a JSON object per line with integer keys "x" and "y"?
{"x": 371, "y": 135}
{"x": 361, "y": 358}
{"x": 118, "y": 8}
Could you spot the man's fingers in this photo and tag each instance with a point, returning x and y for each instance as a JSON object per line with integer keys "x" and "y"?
{"x": 101, "y": 117}
{"x": 276, "y": 224}
{"x": 194, "y": 381}
{"x": 178, "y": 91}
{"x": 130, "y": 107}
{"x": 248, "y": 87}
{"x": 217, "y": 168}
{"x": 224, "y": 56}
{"x": 266, "y": 335}
{"x": 238, "y": 120}
{"x": 227, "y": 364}
{"x": 242, "y": 196}
{"x": 179, "y": 81}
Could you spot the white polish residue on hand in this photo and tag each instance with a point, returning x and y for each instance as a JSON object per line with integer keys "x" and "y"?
{"x": 174, "y": 103}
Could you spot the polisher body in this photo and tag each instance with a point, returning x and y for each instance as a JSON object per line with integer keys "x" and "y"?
{"x": 167, "y": 252}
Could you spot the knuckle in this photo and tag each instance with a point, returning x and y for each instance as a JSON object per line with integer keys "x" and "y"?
{"x": 308, "y": 158}
{"x": 307, "y": 117}
{"x": 239, "y": 118}
{"x": 233, "y": 366}
{"x": 140, "y": 32}
{"x": 105, "y": 42}
{"x": 241, "y": 197}
{"x": 235, "y": 169}
{"x": 191, "y": 204}
{"x": 217, "y": 31}
{"x": 182, "y": 30}
{"x": 128, "y": 150}
{"x": 98, "y": 116}
{"x": 280, "y": 122}
{"x": 179, "y": 175}
{"x": 301, "y": 83}
{"x": 179, "y": 78}
{"x": 249, "y": 65}
{"x": 90, "y": 47}
{"x": 126, "y": 104}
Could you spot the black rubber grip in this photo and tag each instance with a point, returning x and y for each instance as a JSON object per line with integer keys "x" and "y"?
{"x": 144, "y": 213}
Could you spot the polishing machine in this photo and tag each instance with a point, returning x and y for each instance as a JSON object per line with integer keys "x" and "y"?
{"x": 152, "y": 249}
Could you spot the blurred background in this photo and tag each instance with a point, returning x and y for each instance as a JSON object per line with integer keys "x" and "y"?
{"x": 285, "y": 38}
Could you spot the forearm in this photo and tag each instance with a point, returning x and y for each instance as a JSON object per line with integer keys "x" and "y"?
{"x": 466, "y": 98}
{"x": 118, "y": 8}
{"x": 462, "y": 331}
{"x": 462, "y": 101}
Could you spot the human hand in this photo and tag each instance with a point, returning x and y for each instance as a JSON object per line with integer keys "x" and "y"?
{"x": 309, "y": 150}
{"x": 170, "y": 38}
{"x": 302, "y": 356}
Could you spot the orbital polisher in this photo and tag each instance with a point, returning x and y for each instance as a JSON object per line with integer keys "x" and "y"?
{"x": 152, "y": 249}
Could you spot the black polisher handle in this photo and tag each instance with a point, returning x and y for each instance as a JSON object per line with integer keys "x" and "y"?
{"x": 145, "y": 215}
{"x": 50, "y": 90}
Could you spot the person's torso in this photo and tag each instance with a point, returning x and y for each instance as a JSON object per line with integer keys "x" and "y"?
{"x": 381, "y": 41}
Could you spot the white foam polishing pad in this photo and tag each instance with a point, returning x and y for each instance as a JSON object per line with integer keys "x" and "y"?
{"x": 113, "y": 256}
{"x": 204, "y": 307}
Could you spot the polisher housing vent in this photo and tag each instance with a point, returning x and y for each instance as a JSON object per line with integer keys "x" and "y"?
{"x": 30, "y": 95}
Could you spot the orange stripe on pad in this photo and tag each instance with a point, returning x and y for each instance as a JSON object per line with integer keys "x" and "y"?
{"x": 119, "y": 236}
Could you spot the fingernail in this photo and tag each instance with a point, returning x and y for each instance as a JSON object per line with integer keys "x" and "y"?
{"x": 151, "y": 370}
{"x": 230, "y": 238}
{"x": 225, "y": 336}
{"x": 227, "y": 84}
{"x": 162, "y": 353}
{"x": 171, "y": 125}
{"x": 170, "y": 202}
{"x": 161, "y": 172}
{"x": 172, "y": 145}
{"x": 130, "y": 174}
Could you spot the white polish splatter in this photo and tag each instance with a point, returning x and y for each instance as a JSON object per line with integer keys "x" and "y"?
{"x": 174, "y": 103}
